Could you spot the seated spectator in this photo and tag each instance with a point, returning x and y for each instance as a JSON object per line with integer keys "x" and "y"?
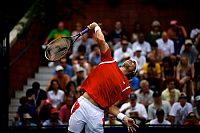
{"x": 24, "y": 108}
{"x": 62, "y": 78}
{"x": 79, "y": 76}
{"x": 59, "y": 31}
{"x": 196, "y": 107}
{"x": 156, "y": 53}
{"x": 197, "y": 73}
{"x": 45, "y": 110}
{"x": 144, "y": 94}
{"x": 95, "y": 56}
{"x": 191, "y": 121}
{"x": 27, "y": 122}
{"x": 56, "y": 94}
{"x": 158, "y": 104}
{"x": 165, "y": 44}
{"x": 71, "y": 90}
{"x": 160, "y": 118}
{"x": 171, "y": 94}
{"x": 185, "y": 74}
{"x": 112, "y": 121}
{"x": 152, "y": 73}
{"x": 146, "y": 47}
{"x": 53, "y": 121}
{"x": 180, "y": 110}
{"x": 36, "y": 95}
{"x": 141, "y": 60}
{"x": 168, "y": 68}
{"x": 190, "y": 51}
{"x": 65, "y": 110}
{"x": 66, "y": 66}
{"x": 137, "y": 110}
{"x": 155, "y": 32}
{"x": 119, "y": 52}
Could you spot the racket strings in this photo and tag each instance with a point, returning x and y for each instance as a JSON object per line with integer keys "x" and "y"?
{"x": 57, "y": 49}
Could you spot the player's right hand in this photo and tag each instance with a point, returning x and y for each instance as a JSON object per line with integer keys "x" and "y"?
{"x": 92, "y": 25}
{"x": 131, "y": 125}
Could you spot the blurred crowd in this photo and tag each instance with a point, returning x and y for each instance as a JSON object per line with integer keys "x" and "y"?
{"x": 165, "y": 90}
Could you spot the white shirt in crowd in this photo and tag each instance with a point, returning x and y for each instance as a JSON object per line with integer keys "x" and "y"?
{"x": 56, "y": 99}
{"x": 138, "y": 108}
{"x": 119, "y": 54}
{"x": 179, "y": 112}
{"x": 166, "y": 47}
{"x": 155, "y": 122}
{"x": 140, "y": 61}
{"x": 145, "y": 46}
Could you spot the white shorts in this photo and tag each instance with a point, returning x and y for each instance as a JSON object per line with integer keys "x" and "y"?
{"x": 84, "y": 113}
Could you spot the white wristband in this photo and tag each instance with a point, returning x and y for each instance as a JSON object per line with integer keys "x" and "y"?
{"x": 121, "y": 116}
{"x": 97, "y": 28}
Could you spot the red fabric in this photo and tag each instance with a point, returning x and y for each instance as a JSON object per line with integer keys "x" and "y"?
{"x": 75, "y": 107}
{"x": 106, "y": 83}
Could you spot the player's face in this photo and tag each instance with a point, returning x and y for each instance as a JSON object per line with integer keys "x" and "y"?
{"x": 131, "y": 69}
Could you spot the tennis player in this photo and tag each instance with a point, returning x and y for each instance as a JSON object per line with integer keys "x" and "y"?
{"x": 105, "y": 86}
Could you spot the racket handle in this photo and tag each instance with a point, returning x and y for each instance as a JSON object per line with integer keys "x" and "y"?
{"x": 84, "y": 31}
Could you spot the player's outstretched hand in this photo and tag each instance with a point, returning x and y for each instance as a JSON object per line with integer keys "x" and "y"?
{"x": 131, "y": 125}
{"x": 92, "y": 25}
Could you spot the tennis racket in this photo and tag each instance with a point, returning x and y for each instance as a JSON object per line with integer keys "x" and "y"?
{"x": 59, "y": 47}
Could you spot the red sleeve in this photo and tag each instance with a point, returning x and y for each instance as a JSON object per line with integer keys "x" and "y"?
{"x": 125, "y": 94}
{"x": 106, "y": 56}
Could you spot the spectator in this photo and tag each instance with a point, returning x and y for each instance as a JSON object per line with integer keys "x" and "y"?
{"x": 180, "y": 110}
{"x": 137, "y": 110}
{"x": 53, "y": 121}
{"x": 141, "y": 60}
{"x": 71, "y": 90}
{"x": 168, "y": 68}
{"x": 165, "y": 44}
{"x": 155, "y": 32}
{"x": 65, "y": 110}
{"x": 191, "y": 121}
{"x": 45, "y": 110}
{"x": 146, "y": 47}
{"x": 36, "y": 95}
{"x": 158, "y": 103}
{"x": 152, "y": 73}
{"x": 26, "y": 122}
{"x": 112, "y": 121}
{"x": 24, "y": 108}
{"x": 62, "y": 78}
{"x": 197, "y": 73}
{"x": 185, "y": 74}
{"x": 117, "y": 33}
{"x": 78, "y": 29}
{"x": 156, "y": 53}
{"x": 118, "y": 53}
{"x": 171, "y": 94}
{"x": 160, "y": 118}
{"x": 196, "y": 107}
{"x": 137, "y": 29}
{"x": 189, "y": 51}
{"x": 68, "y": 70}
{"x": 56, "y": 94}
{"x": 95, "y": 56}
{"x": 177, "y": 33}
{"x": 79, "y": 76}
{"x": 59, "y": 31}
{"x": 144, "y": 94}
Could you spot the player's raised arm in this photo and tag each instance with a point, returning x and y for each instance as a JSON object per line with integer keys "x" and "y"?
{"x": 99, "y": 36}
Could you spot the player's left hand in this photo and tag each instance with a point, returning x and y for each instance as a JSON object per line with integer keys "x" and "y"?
{"x": 131, "y": 125}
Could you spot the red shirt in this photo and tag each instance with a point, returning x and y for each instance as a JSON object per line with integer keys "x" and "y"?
{"x": 106, "y": 84}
